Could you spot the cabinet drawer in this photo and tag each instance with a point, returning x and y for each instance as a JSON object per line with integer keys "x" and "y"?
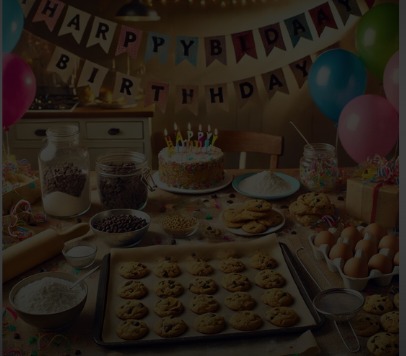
{"x": 119, "y": 130}
{"x": 36, "y": 130}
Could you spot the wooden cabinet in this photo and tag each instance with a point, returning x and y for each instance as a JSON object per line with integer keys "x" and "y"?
{"x": 101, "y": 131}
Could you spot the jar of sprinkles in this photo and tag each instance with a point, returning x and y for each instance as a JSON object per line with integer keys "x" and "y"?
{"x": 318, "y": 167}
{"x": 123, "y": 180}
{"x": 64, "y": 167}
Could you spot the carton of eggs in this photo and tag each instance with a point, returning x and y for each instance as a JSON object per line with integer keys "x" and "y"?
{"x": 359, "y": 254}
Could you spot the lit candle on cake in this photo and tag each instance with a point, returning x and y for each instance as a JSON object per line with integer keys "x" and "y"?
{"x": 200, "y": 136}
{"x": 168, "y": 140}
{"x": 215, "y": 137}
{"x": 179, "y": 139}
{"x": 189, "y": 136}
{"x": 208, "y": 137}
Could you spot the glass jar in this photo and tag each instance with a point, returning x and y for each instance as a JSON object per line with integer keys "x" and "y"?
{"x": 64, "y": 168}
{"x": 318, "y": 167}
{"x": 123, "y": 180}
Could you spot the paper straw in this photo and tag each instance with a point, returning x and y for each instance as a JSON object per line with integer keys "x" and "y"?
{"x": 304, "y": 138}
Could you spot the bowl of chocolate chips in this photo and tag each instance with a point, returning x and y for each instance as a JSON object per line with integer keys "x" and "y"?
{"x": 120, "y": 227}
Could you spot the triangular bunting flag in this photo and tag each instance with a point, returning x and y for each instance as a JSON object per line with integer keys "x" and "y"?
{"x": 129, "y": 41}
{"x": 215, "y": 48}
{"x": 298, "y": 27}
{"x": 272, "y": 38}
{"x": 63, "y": 63}
{"x": 157, "y": 93}
{"x": 275, "y": 81}
{"x": 157, "y": 46}
{"x": 186, "y": 49}
{"x": 49, "y": 12}
{"x": 246, "y": 90}
{"x": 74, "y": 23}
{"x": 347, "y": 8}
{"x": 216, "y": 96}
{"x": 244, "y": 44}
{"x": 187, "y": 97}
{"x": 102, "y": 33}
{"x": 322, "y": 17}
{"x": 300, "y": 69}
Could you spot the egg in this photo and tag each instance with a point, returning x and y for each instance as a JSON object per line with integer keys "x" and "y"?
{"x": 356, "y": 267}
{"x": 340, "y": 250}
{"x": 396, "y": 259}
{"x": 375, "y": 230}
{"x": 380, "y": 262}
{"x": 324, "y": 237}
{"x": 389, "y": 241}
{"x": 351, "y": 234}
{"x": 368, "y": 246}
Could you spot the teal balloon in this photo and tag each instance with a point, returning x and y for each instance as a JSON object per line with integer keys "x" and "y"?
{"x": 336, "y": 77}
{"x": 377, "y": 37}
{"x": 13, "y": 24}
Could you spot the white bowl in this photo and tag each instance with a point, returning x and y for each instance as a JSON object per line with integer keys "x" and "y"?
{"x": 80, "y": 254}
{"x": 62, "y": 316}
{"x": 130, "y": 238}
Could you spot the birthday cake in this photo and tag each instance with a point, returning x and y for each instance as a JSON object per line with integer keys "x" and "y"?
{"x": 197, "y": 169}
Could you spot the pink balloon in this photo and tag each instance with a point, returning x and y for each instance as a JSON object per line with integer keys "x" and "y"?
{"x": 391, "y": 80}
{"x": 19, "y": 88}
{"x": 368, "y": 126}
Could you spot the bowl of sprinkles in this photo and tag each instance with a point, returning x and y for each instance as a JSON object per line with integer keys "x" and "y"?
{"x": 120, "y": 227}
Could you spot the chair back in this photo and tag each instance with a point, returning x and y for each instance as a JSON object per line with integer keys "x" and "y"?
{"x": 253, "y": 142}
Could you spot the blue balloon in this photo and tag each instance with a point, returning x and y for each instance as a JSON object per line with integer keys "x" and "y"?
{"x": 336, "y": 77}
{"x": 13, "y": 24}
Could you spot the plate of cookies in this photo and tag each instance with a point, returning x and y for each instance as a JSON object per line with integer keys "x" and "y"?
{"x": 254, "y": 217}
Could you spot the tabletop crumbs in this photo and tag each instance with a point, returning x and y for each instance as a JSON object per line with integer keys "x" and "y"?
{"x": 231, "y": 195}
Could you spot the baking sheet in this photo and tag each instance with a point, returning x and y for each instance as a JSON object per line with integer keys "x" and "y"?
{"x": 106, "y": 320}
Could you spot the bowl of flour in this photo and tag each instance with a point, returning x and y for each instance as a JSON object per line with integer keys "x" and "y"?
{"x": 47, "y": 301}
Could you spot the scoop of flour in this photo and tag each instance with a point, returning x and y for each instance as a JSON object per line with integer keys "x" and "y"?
{"x": 264, "y": 183}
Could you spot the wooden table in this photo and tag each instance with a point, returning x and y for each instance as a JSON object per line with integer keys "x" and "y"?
{"x": 22, "y": 339}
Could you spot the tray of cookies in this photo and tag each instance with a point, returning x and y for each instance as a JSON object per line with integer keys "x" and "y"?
{"x": 178, "y": 293}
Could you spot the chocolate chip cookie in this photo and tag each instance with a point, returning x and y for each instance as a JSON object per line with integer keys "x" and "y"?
{"x": 133, "y": 289}
{"x": 169, "y": 288}
{"x": 133, "y": 270}
{"x": 170, "y": 326}
{"x": 236, "y": 282}
{"x": 246, "y": 321}
{"x": 132, "y": 309}
{"x": 268, "y": 278}
{"x": 169, "y": 306}
{"x": 282, "y": 316}
{"x": 239, "y": 301}
{"x": 277, "y": 297}
{"x": 204, "y": 303}
{"x": 132, "y": 329}
{"x": 209, "y": 323}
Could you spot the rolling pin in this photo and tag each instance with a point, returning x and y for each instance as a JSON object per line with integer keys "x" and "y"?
{"x": 31, "y": 252}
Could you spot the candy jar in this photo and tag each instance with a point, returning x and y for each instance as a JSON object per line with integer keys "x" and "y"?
{"x": 64, "y": 167}
{"x": 123, "y": 180}
{"x": 318, "y": 167}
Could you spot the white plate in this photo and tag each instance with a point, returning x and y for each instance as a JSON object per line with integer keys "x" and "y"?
{"x": 226, "y": 181}
{"x": 293, "y": 183}
{"x": 241, "y": 232}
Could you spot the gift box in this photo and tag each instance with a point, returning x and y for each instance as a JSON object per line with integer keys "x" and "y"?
{"x": 373, "y": 202}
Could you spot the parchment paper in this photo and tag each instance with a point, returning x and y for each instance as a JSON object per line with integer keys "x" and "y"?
{"x": 214, "y": 253}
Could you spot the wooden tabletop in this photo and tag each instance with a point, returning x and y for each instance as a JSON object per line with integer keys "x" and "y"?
{"x": 78, "y": 339}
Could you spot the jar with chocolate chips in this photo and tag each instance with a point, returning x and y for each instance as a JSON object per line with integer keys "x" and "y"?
{"x": 64, "y": 167}
{"x": 123, "y": 180}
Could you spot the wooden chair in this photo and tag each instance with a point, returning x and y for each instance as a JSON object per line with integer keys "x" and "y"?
{"x": 253, "y": 142}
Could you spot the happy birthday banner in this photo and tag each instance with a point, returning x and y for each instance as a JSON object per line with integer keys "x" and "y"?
{"x": 74, "y": 22}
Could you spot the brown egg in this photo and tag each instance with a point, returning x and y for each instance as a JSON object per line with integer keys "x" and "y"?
{"x": 389, "y": 241}
{"x": 396, "y": 259}
{"x": 381, "y": 262}
{"x": 368, "y": 246}
{"x": 351, "y": 234}
{"x": 356, "y": 267}
{"x": 324, "y": 237}
{"x": 375, "y": 230}
{"x": 340, "y": 250}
